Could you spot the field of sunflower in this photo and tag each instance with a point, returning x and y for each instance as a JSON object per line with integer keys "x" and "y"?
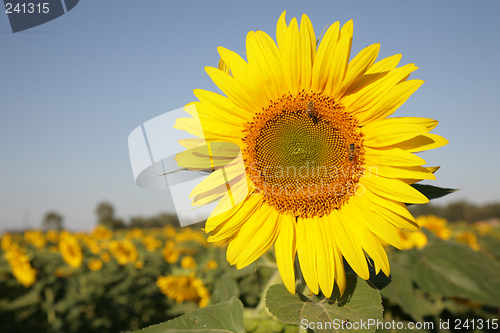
{"x": 112, "y": 281}
{"x": 107, "y": 281}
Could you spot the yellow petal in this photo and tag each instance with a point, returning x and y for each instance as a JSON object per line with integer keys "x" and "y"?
{"x": 385, "y": 65}
{"x": 375, "y": 223}
{"x": 222, "y": 106}
{"x": 292, "y": 57}
{"x": 371, "y": 245}
{"x": 236, "y": 188}
{"x": 390, "y": 102}
{"x": 340, "y": 60}
{"x": 286, "y": 248}
{"x": 232, "y": 89}
{"x": 281, "y": 29}
{"x": 394, "y": 206}
{"x": 306, "y": 250}
{"x": 340, "y": 278}
{"x": 349, "y": 246}
{"x": 323, "y": 60}
{"x": 433, "y": 169}
{"x": 358, "y": 66}
{"x": 383, "y": 134}
{"x": 367, "y": 97}
{"x": 421, "y": 143}
{"x": 393, "y": 189}
{"x": 218, "y": 178}
{"x": 254, "y": 238}
{"x": 413, "y": 172}
{"x": 247, "y": 79}
{"x": 308, "y": 52}
{"x": 391, "y": 157}
{"x": 397, "y": 220}
{"x": 325, "y": 256}
{"x": 263, "y": 57}
{"x": 226, "y": 224}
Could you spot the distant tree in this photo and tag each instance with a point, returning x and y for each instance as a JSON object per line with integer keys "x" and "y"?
{"x": 167, "y": 219}
{"x": 138, "y": 222}
{"x": 158, "y": 221}
{"x": 460, "y": 210}
{"x": 106, "y": 216}
{"x": 53, "y": 220}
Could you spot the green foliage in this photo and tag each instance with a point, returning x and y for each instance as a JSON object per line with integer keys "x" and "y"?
{"x": 28, "y": 299}
{"x": 360, "y": 301}
{"x": 444, "y": 280}
{"x": 226, "y": 317}
{"x": 454, "y": 270}
{"x": 433, "y": 192}
{"x": 225, "y": 288}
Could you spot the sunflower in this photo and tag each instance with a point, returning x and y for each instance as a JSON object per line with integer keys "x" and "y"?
{"x": 468, "y": 238}
{"x": 188, "y": 262}
{"x": 35, "y": 237}
{"x": 303, "y": 155}
{"x": 184, "y": 288}
{"x": 412, "y": 239}
{"x": 102, "y": 233}
{"x": 70, "y": 249}
{"x": 20, "y": 266}
{"x": 437, "y": 225}
{"x": 95, "y": 264}
{"x": 124, "y": 251}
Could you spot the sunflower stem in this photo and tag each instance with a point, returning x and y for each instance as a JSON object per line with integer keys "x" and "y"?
{"x": 262, "y": 302}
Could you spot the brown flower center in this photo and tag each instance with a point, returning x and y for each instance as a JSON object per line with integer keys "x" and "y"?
{"x": 304, "y": 154}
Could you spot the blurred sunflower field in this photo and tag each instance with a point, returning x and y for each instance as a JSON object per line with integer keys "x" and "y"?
{"x": 111, "y": 281}
{"x": 129, "y": 279}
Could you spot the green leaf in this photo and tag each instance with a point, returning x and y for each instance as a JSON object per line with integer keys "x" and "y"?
{"x": 360, "y": 302}
{"x": 400, "y": 291}
{"x": 225, "y": 288}
{"x": 224, "y": 317}
{"x": 491, "y": 246}
{"x": 454, "y": 270}
{"x": 30, "y": 298}
{"x": 380, "y": 280}
{"x": 433, "y": 192}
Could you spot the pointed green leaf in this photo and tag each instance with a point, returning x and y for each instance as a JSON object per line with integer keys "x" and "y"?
{"x": 360, "y": 303}
{"x": 433, "y": 192}
{"x": 224, "y": 317}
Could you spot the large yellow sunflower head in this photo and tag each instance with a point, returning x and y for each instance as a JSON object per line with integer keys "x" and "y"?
{"x": 302, "y": 153}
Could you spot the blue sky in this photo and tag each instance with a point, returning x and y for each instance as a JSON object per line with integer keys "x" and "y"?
{"x": 74, "y": 88}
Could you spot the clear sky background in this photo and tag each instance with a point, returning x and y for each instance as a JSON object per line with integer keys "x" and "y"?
{"x": 73, "y": 89}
